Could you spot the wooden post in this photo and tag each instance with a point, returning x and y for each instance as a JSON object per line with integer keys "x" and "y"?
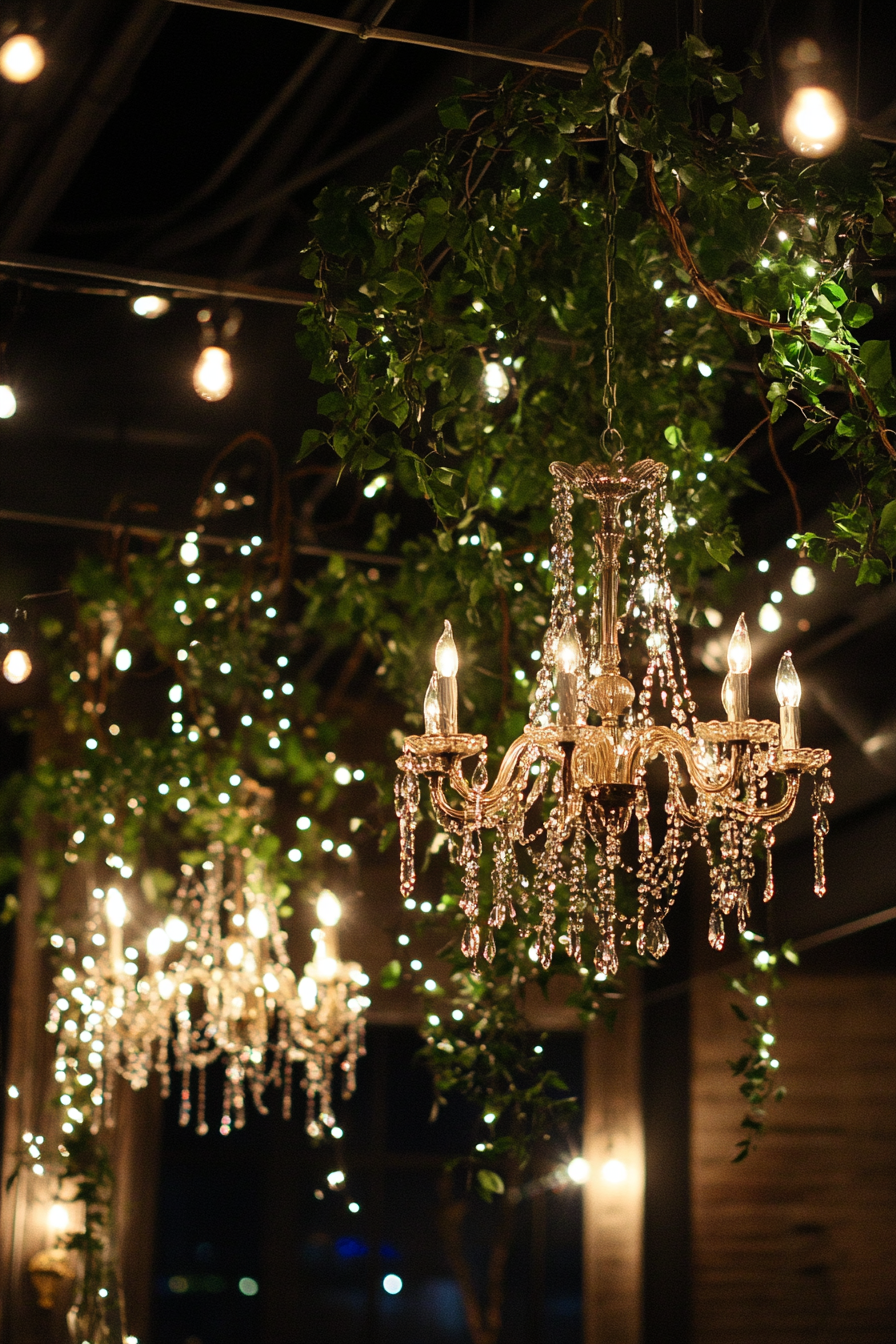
{"x": 614, "y": 1193}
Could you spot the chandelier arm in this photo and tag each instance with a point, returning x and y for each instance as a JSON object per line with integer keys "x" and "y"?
{"x": 651, "y": 744}
{"x": 779, "y": 811}
{"x": 496, "y": 796}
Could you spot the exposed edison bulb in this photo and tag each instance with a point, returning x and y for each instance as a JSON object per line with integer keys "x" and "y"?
{"x": 157, "y": 942}
{"x": 494, "y": 382}
{"x": 213, "y": 374}
{"x": 16, "y": 666}
{"x": 21, "y": 58}
{"x": 787, "y": 683}
{"x": 740, "y": 652}
{"x": 57, "y": 1218}
{"x": 116, "y": 910}
{"x": 329, "y": 909}
{"x": 307, "y": 992}
{"x": 258, "y": 922}
{"x": 446, "y": 653}
{"x": 150, "y": 305}
{"x": 8, "y": 403}
{"x": 814, "y": 122}
{"x": 569, "y": 649}
{"x": 235, "y": 952}
{"x": 176, "y": 928}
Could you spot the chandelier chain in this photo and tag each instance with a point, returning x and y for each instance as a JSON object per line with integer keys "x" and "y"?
{"x": 609, "y": 398}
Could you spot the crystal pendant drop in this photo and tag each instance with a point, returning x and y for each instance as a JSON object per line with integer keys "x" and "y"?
{"x": 657, "y": 939}
{"x": 470, "y": 942}
{"x": 716, "y": 931}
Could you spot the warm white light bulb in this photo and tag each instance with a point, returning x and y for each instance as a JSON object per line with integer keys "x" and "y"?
{"x": 307, "y": 993}
{"x": 740, "y": 652}
{"x": 432, "y": 709}
{"x": 329, "y": 909}
{"x": 8, "y": 402}
{"x": 258, "y": 922}
{"x": 150, "y": 305}
{"x": 787, "y": 683}
{"x": 494, "y": 381}
{"x": 578, "y": 1170}
{"x": 176, "y": 928}
{"x": 235, "y": 952}
{"x": 569, "y": 649}
{"x": 21, "y": 58}
{"x": 116, "y": 910}
{"x": 769, "y": 618}
{"x": 123, "y": 660}
{"x": 802, "y": 581}
{"x": 213, "y": 374}
{"x": 446, "y": 653}
{"x": 157, "y": 942}
{"x": 189, "y": 553}
{"x": 814, "y": 122}
{"x": 16, "y": 666}
{"x": 57, "y": 1218}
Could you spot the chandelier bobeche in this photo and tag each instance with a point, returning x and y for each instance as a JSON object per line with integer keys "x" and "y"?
{"x": 214, "y": 983}
{"x": 566, "y": 793}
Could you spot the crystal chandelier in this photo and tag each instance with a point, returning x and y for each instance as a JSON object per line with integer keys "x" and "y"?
{"x": 566, "y": 824}
{"x": 214, "y": 983}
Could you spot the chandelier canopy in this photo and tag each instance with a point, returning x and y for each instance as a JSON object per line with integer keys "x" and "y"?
{"x": 567, "y": 823}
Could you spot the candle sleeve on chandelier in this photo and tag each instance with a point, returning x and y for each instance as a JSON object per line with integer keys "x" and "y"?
{"x": 788, "y": 691}
{"x": 446, "y": 666}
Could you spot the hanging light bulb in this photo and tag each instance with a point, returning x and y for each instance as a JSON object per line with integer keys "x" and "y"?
{"x": 21, "y": 58}
{"x": 17, "y": 666}
{"x": 150, "y": 305}
{"x": 235, "y": 952}
{"x": 329, "y": 909}
{"x": 814, "y": 122}
{"x": 494, "y": 382}
{"x": 213, "y": 374}
{"x": 307, "y": 992}
{"x": 8, "y": 403}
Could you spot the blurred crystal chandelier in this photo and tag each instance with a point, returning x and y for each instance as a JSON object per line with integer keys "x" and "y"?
{"x": 567, "y": 791}
{"x": 215, "y": 984}
{"x": 556, "y": 823}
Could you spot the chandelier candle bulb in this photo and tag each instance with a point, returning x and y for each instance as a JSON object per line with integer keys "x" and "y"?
{"x": 736, "y": 690}
{"x": 446, "y": 667}
{"x": 569, "y": 661}
{"x": 788, "y": 691}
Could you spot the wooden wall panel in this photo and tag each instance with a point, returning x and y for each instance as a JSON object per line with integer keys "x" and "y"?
{"x": 797, "y": 1243}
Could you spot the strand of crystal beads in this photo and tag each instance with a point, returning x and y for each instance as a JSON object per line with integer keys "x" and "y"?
{"x": 563, "y": 601}
{"x": 768, "y": 842}
{"x": 822, "y": 794}
{"x": 407, "y": 801}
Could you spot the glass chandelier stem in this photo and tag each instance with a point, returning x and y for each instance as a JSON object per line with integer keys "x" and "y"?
{"x": 608, "y": 543}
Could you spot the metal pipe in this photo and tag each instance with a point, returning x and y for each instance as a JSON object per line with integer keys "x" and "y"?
{"x": 182, "y": 285}
{"x": 366, "y": 32}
